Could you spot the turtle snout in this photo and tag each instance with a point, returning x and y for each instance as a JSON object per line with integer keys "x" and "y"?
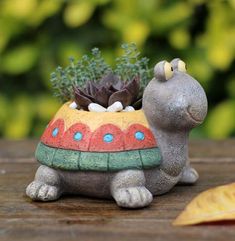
{"x": 197, "y": 105}
{"x": 198, "y": 114}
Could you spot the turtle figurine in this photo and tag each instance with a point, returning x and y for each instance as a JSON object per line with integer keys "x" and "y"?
{"x": 129, "y": 156}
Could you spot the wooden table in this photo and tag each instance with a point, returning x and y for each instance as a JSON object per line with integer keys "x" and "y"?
{"x": 79, "y": 218}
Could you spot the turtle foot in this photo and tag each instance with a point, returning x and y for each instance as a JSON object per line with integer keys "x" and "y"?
{"x": 133, "y": 197}
{"x": 189, "y": 176}
{"x": 40, "y": 191}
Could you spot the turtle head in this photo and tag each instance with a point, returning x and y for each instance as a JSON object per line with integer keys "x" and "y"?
{"x": 174, "y": 100}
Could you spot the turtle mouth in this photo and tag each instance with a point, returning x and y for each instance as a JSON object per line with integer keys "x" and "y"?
{"x": 193, "y": 117}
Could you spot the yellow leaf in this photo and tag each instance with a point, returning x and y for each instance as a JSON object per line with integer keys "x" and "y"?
{"x": 216, "y": 204}
{"x": 232, "y": 3}
{"x": 45, "y": 9}
{"x": 179, "y": 38}
{"x": 78, "y": 13}
{"x": 170, "y": 15}
{"x": 221, "y": 120}
{"x": 46, "y": 107}
{"x": 19, "y": 59}
{"x": 19, "y": 122}
{"x": 18, "y": 8}
{"x": 198, "y": 67}
{"x": 220, "y": 56}
{"x": 136, "y": 32}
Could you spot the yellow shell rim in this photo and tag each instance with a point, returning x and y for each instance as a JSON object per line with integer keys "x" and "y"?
{"x": 96, "y": 119}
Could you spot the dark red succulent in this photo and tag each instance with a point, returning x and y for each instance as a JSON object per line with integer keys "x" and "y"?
{"x": 109, "y": 90}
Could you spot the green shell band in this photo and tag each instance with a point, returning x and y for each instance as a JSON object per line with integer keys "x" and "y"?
{"x": 97, "y": 161}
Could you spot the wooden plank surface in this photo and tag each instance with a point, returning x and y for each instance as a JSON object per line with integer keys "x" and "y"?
{"x": 80, "y": 218}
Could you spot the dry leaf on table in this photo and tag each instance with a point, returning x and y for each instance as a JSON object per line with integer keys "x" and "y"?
{"x": 216, "y": 204}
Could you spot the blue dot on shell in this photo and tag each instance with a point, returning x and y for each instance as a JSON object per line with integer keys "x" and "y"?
{"x": 77, "y": 136}
{"x": 55, "y": 132}
{"x": 108, "y": 138}
{"x": 139, "y": 135}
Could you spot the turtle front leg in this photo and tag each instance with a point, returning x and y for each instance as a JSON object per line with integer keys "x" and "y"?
{"x": 189, "y": 175}
{"x": 129, "y": 191}
{"x": 46, "y": 185}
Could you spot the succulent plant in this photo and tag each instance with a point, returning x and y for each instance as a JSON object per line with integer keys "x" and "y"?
{"x": 109, "y": 90}
{"x": 91, "y": 79}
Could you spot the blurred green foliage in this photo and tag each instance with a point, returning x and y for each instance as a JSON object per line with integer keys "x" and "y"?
{"x": 38, "y": 35}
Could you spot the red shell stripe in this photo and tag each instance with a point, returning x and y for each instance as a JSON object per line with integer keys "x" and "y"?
{"x": 53, "y": 134}
{"x": 138, "y": 137}
{"x": 77, "y": 137}
{"x": 107, "y": 138}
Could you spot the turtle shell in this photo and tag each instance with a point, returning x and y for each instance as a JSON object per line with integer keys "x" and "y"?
{"x": 92, "y": 141}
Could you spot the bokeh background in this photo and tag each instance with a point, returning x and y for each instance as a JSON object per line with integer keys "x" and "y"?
{"x": 38, "y": 35}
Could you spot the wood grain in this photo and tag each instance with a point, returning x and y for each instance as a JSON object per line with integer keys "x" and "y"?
{"x": 80, "y": 218}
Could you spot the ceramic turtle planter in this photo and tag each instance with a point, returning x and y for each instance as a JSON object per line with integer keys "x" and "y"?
{"x": 127, "y": 156}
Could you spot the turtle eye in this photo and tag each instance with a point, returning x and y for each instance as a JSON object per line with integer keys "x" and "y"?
{"x": 182, "y": 66}
{"x": 179, "y": 65}
{"x": 168, "y": 70}
{"x": 163, "y": 71}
